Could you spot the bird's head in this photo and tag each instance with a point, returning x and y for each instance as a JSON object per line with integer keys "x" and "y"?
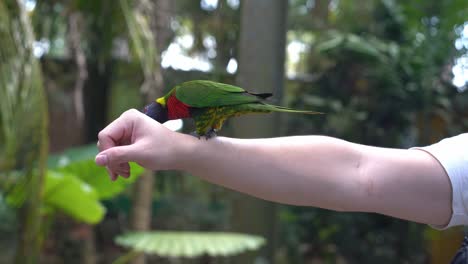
{"x": 157, "y": 111}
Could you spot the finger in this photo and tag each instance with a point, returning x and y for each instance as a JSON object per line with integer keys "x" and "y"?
{"x": 122, "y": 169}
{"x": 115, "y": 156}
{"x": 124, "y": 166}
{"x": 125, "y": 172}
{"x": 116, "y": 133}
{"x": 112, "y": 175}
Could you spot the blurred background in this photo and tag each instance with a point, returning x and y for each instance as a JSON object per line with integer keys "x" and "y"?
{"x": 389, "y": 73}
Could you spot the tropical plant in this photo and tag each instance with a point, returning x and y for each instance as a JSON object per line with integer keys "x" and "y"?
{"x": 75, "y": 185}
{"x": 174, "y": 244}
{"x": 23, "y": 123}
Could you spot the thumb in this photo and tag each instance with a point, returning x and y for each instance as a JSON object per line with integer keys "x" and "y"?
{"x": 115, "y": 155}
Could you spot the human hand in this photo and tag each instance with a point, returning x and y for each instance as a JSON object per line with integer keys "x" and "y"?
{"x": 136, "y": 137}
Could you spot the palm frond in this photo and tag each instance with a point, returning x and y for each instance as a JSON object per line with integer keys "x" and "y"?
{"x": 189, "y": 244}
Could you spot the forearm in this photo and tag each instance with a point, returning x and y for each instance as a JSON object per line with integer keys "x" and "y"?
{"x": 313, "y": 170}
{"x": 328, "y": 173}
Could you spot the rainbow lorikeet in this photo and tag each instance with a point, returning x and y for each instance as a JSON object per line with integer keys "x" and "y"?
{"x": 210, "y": 104}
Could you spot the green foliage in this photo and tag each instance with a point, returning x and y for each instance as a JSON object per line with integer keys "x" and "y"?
{"x": 365, "y": 48}
{"x": 333, "y": 235}
{"x": 190, "y": 244}
{"x": 23, "y": 106}
{"x": 23, "y": 122}
{"x": 75, "y": 184}
{"x": 79, "y": 161}
{"x": 382, "y": 74}
{"x": 74, "y": 171}
{"x": 98, "y": 178}
{"x": 376, "y": 83}
{"x": 73, "y": 197}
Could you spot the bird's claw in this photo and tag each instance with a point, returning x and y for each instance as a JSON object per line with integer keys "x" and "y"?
{"x": 195, "y": 134}
{"x": 210, "y": 134}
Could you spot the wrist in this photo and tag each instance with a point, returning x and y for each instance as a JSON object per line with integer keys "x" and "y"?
{"x": 185, "y": 148}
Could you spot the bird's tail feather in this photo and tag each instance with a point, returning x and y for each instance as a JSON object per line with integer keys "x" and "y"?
{"x": 290, "y": 110}
{"x": 262, "y": 95}
{"x": 276, "y": 108}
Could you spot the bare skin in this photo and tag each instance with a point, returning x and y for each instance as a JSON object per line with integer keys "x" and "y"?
{"x": 314, "y": 171}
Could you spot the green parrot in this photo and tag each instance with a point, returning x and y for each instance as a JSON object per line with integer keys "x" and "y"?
{"x": 210, "y": 104}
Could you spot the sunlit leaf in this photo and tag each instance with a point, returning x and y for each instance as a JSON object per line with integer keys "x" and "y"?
{"x": 190, "y": 244}
{"x": 362, "y": 46}
{"x": 98, "y": 178}
{"x": 331, "y": 43}
{"x": 79, "y": 161}
{"x": 73, "y": 197}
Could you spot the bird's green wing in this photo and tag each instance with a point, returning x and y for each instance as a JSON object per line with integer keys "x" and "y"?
{"x": 201, "y": 93}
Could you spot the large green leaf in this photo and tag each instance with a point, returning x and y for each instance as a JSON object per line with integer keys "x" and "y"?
{"x": 79, "y": 161}
{"x": 67, "y": 193}
{"x": 75, "y": 184}
{"x": 98, "y": 178}
{"x": 189, "y": 244}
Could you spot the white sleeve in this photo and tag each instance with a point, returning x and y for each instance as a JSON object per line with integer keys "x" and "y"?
{"x": 452, "y": 154}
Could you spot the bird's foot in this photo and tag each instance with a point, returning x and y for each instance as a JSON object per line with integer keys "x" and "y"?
{"x": 210, "y": 134}
{"x": 195, "y": 134}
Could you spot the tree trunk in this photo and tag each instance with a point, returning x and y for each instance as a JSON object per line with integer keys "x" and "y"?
{"x": 158, "y": 14}
{"x": 141, "y": 207}
{"x": 96, "y": 93}
{"x": 261, "y": 69}
{"x": 23, "y": 123}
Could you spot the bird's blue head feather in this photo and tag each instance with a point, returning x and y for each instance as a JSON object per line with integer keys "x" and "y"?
{"x": 157, "y": 112}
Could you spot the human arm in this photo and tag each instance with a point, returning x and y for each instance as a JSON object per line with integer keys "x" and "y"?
{"x": 308, "y": 170}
